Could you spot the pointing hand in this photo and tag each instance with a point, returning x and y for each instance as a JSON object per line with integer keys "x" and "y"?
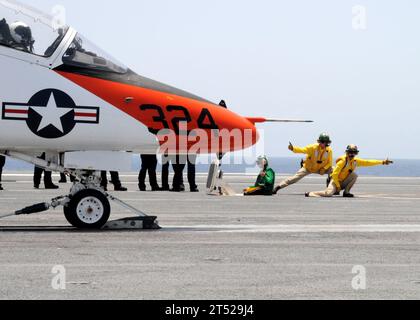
{"x": 387, "y": 162}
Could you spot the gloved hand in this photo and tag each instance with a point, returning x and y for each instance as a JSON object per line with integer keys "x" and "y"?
{"x": 291, "y": 148}
{"x": 387, "y": 162}
{"x": 322, "y": 171}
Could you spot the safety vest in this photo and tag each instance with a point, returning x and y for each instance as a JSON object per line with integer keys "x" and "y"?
{"x": 317, "y": 158}
{"x": 349, "y": 167}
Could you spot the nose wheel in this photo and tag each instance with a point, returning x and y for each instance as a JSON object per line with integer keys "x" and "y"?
{"x": 88, "y": 209}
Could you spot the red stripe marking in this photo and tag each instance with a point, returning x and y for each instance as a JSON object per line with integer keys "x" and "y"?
{"x": 81, "y": 114}
{"x": 16, "y": 111}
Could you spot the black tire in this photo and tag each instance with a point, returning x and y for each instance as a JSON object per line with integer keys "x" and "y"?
{"x": 97, "y": 200}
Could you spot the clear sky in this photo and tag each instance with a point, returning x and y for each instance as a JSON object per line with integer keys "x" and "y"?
{"x": 281, "y": 59}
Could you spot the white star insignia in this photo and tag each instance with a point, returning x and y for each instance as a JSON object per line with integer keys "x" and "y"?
{"x": 51, "y": 114}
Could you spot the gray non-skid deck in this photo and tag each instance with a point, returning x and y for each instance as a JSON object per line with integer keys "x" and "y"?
{"x": 283, "y": 247}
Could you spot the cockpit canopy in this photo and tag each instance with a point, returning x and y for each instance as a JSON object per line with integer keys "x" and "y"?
{"x": 84, "y": 54}
{"x": 26, "y": 29}
{"x": 29, "y": 30}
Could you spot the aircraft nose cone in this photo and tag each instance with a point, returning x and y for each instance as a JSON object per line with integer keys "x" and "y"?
{"x": 251, "y": 135}
{"x": 238, "y": 133}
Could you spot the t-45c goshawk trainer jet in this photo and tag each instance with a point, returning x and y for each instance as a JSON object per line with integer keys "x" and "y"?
{"x": 62, "y": 95}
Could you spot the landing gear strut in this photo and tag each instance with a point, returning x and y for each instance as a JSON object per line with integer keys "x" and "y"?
{"x": 215, "y": 183}
{"x": 88, "y": 205}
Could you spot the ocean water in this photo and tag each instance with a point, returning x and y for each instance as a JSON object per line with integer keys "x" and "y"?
{"x": 401, "y": 168}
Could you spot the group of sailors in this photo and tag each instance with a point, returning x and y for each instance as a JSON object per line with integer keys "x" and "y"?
{"x": 149, "y": 164}
{"x": 319, "y": 161}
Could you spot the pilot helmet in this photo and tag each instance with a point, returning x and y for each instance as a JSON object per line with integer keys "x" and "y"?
{"x": 22, "y": 35}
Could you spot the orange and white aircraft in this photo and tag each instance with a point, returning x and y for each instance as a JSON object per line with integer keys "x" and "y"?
{"x": 62, "y": 95}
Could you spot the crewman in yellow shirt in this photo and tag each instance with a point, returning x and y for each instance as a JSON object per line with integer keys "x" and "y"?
{"x": 344, "y": 176}
{"x": 319, "y": 160}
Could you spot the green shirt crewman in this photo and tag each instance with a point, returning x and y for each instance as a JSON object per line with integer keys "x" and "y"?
{"x": 265, "y": 181}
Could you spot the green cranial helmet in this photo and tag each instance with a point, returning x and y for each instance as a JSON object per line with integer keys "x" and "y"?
{"x": 325, "y": 138}
{"x": 352, "y": 149}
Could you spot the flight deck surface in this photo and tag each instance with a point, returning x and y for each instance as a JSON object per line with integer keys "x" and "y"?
{"x": 209, "y": 247}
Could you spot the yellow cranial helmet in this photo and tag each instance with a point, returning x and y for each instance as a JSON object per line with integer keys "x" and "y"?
{"x": 352, "y": 149}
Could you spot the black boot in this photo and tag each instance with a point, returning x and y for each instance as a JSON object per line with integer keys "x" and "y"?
{"x": 51, "y": 187}
{"x": 120, "y": 188}
{"x": 63, "y": 178}
{"x": 348, "y": 195}
{"x": 194, "y": 189}
{"x": 276, "y": 190}
{"x": 180, "y": 188}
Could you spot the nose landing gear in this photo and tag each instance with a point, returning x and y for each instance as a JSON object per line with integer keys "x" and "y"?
{"x": 88, "y": 207}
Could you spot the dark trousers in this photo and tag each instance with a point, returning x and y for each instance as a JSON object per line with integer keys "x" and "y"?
{"x": 148, "y": 165}
{"x": 2, "y": 163}
{"x": 178, "y": 165}
{"x": 38, "y": 175}
{"x": 115, "y": 179}
{"x": 165, "y": 172}
{"x": 192, "y": 159}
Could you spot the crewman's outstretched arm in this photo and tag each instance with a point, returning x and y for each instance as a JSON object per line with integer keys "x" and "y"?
{"x": 369, "y": 163}
{"x": 304, "y": 150}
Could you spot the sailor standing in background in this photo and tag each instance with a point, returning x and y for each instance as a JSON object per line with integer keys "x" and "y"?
{"x": 63, "y": 177}
{"x": 115, "y": 180}
{"x": 178, "y": 164}
{"x": 165, "y": 172}
{"x": 149, "y": 164}
{"x": 191, "y": 167}
{"x": 47, "y": 176}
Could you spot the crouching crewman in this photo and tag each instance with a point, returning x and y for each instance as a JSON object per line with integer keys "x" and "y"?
{"x": 265, "y": 181}
{"x": 344, "y": 176}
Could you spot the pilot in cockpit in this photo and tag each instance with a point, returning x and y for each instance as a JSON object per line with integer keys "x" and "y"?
{"x": 18, "y": 35}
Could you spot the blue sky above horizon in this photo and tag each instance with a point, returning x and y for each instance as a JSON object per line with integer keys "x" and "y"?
{"x": 281, "y": 59}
